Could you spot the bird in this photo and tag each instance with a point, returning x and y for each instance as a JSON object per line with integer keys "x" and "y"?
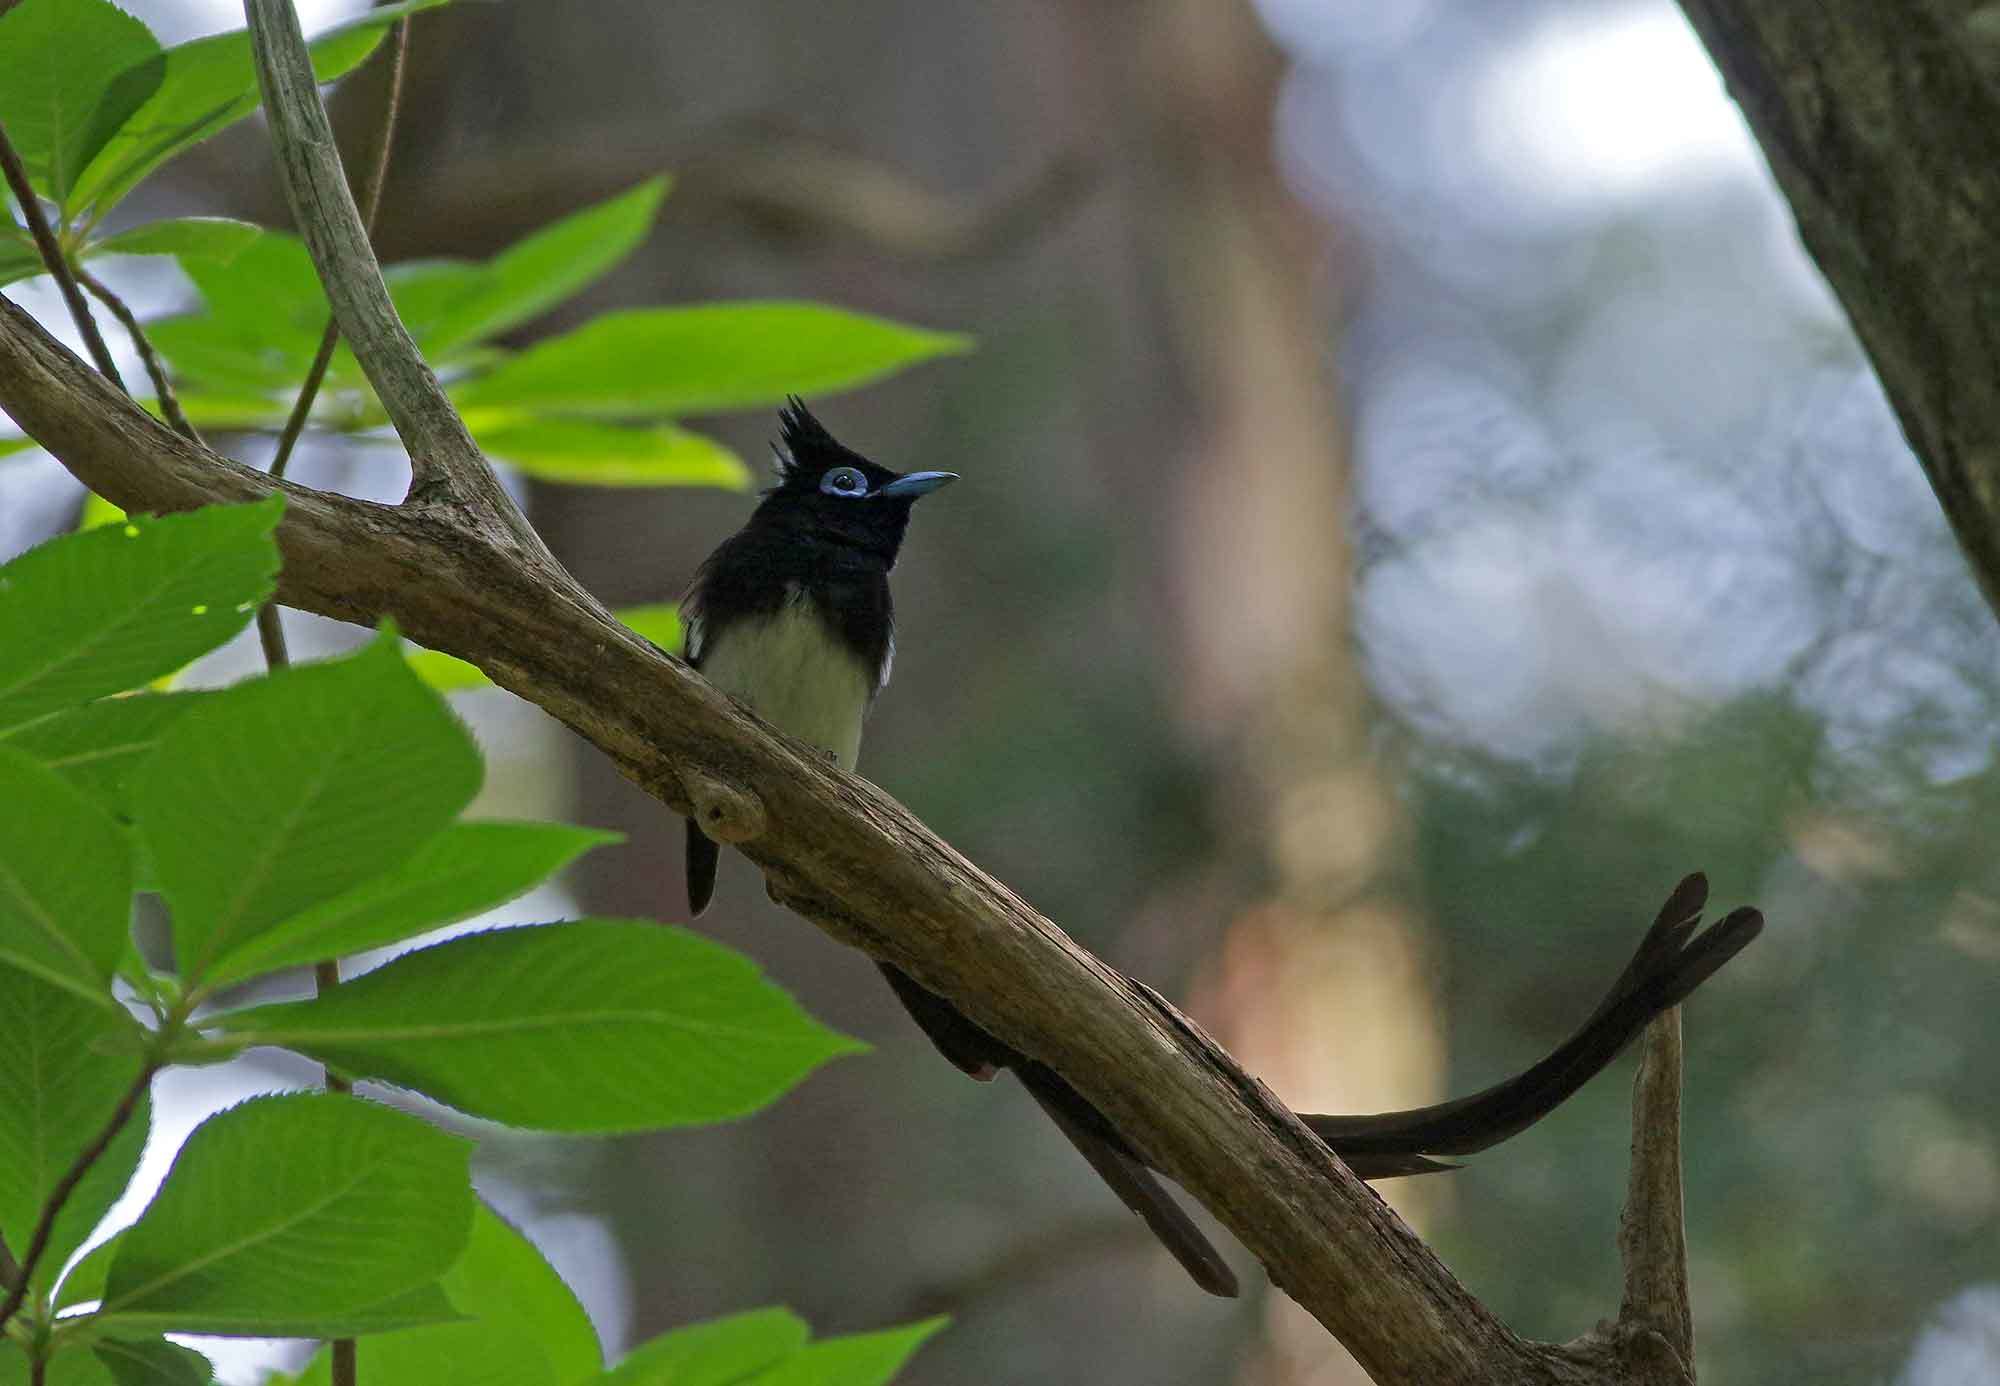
{"x": 792, "y": 616}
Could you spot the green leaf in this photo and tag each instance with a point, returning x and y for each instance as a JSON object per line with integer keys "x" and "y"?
{"x": 262, "y": 315}
{"x": 534, "y": 275}
{"x": 98, "y": 747}
{"x": 153, "y": 1362}
{"x": 446, "y": 673}
{"x": 674, "y": 361}
{"x": 524, "y": 1326}
{"x": 98, "y": 511}
{"x": 599, "y": 454}
{"x": 207, "y": 85}
{"x": 718, "y": 1352}
{"x": 65, "y": 881}
{"x": 659, "y": 622}
{"x": 230, "y": 413}
{"x": 220, "y": 239}
{"x": 108, "y": 609}
{"x": 293, "y": 1216}
{"x": 18, "y": 261}
{"x": 65, "y": 1065}
{"x": 859, "y": 1359}
{"x": 598, "y": 1025}
{"x": 71, "y": 71}
{"x": 465, "y": 870}
{"x": 285, "y": 791}
{"x": 85, "y": 1281}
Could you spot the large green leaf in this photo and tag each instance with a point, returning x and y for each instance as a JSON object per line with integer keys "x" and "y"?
{"x": 465, "y": 870}
{"x": 285, "y": 791}
{"x": 292, "y": 1217}
{"x": 207, "y": 85}
{"x": 588, "y": 453}
{"x": 858, "y": 1359}
{"x": 65, "y": 881}
{"x": 524, "y": 1327}
{"x": 717, "y": 1352}
{"x": 152, "y": 1362}
{"x": 65, "y": 1064}
{"x": 99, "y": 746}
{"x": 71, "y": 71}
{"x": 598, "y": 1025}
{"x": 220, "y": 239}
{"x": 111, "y": 608}
{"x": 460, "y": 303}
{"x": 673, "y": 361}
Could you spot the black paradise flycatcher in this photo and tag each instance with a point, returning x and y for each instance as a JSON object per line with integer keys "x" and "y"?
{"x": 791, "y": 615}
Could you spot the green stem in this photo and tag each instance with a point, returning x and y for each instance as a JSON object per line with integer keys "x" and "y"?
{"x": 65, "y": 1186}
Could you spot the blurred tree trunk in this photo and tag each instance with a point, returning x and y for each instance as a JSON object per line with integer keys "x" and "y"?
{"x": 1882, "y": 126}
{"x": 1321, "y": 982}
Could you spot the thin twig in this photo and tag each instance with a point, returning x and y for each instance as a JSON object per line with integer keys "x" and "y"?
{"x": 10, "y": 1269}
{"x": 1652, "y": 1234}
{"x": 345, "y": 1365}
{"x": 156, "y": 369}
{"x": 271, "y": 635}
{"x": 371, "y": 199}
{"x": 53, "y": 258}
{"x": 65, "y": 1186}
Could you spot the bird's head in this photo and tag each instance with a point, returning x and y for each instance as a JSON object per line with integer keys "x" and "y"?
{"x": 836, "y": 492}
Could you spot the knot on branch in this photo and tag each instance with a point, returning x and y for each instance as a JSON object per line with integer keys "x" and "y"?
{"x": 725, "y": 812}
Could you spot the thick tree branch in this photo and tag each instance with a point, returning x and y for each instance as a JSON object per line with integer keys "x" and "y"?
{"x": 446, "y": 467}
{"x": 838, "y": 851}
{"x": 1882, "y": 126}
{"x": 371, "y": 196}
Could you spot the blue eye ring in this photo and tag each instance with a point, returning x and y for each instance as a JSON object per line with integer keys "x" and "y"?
{"x": 846, "y": 482}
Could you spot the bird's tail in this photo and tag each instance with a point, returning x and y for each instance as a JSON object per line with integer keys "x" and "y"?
{"x": 1138, "y": 1187}
{"x": 1672, "y": 960}
{"x": 701, "y": 857}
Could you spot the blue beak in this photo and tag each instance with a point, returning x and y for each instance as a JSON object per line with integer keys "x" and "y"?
{"x": 910, "y": 485}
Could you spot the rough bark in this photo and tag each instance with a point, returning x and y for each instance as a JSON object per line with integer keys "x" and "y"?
{"x": 1882, "y": 126}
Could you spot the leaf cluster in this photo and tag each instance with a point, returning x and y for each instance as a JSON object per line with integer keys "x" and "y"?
{"x": 261, "y": 817}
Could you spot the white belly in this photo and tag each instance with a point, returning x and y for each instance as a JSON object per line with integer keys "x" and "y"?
{"x": 797, "y": 677}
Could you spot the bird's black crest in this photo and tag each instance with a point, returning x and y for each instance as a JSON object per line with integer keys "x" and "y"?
{"x": 807, "y": 445}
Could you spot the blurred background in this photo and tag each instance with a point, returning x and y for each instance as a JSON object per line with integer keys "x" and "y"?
{"x": 1419, "y": 502}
